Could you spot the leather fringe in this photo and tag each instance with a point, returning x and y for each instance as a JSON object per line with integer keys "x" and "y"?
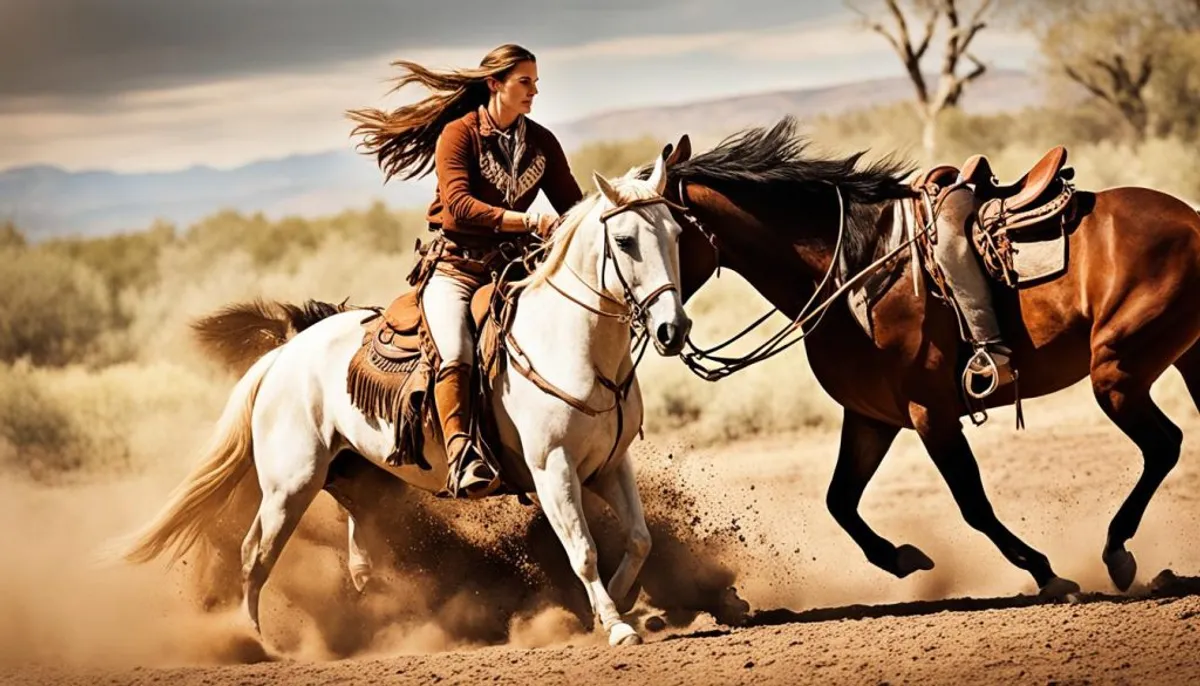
{"x": 393, "y": 391}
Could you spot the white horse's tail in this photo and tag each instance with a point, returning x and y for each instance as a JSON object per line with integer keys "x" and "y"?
{"x": 205, "y": 492}
{"x": 241, "y": 333}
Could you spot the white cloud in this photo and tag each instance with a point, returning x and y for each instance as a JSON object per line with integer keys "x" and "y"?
{"x": 804, "y": 40}
{"x": 233, "y": 121}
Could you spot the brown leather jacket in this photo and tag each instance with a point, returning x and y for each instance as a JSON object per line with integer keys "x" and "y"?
{"x": 478, "y": 179}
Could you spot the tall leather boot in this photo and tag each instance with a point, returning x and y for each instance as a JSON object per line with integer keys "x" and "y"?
{"x": 451, "y": 392}
{"x": 990, "y": 367}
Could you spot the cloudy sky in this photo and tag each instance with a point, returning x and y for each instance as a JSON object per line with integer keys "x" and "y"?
{"x": 163, "y": 84}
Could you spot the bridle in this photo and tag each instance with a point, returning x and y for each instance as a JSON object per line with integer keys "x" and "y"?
{"x": 632, "y": 312}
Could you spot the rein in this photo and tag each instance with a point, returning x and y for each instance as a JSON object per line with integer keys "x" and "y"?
{"x": 695, "y": 358}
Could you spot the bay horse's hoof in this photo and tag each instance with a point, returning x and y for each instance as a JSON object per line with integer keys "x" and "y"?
{"x": 910, "y": 559}
{"x": 1059, "y": 588}
{"x": 1122, "y": 568}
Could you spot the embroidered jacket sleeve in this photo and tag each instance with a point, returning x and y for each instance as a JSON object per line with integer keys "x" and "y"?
{"x": 454, "y": 159}
{"x": 559, "y": 185}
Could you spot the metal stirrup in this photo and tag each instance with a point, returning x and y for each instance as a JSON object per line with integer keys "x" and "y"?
{"x": 973, "y": 370}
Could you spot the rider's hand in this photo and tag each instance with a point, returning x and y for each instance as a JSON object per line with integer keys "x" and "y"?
{"x": 545, "y": 223}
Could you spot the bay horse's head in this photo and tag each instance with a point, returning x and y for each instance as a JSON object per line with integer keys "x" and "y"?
{"x": 763, "y": 205}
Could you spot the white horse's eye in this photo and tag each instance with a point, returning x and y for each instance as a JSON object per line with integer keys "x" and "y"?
{"x": 625, "y": 243}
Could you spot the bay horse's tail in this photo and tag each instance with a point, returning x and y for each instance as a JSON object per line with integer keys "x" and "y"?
{"x": 241, "y": 333}
{"x": 205, "y": 492}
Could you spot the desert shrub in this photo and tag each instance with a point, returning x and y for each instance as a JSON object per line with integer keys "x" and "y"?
{"x": 36, "y": 433}
{"x": 77, "y": 423}
{"x": 52, "y": 308}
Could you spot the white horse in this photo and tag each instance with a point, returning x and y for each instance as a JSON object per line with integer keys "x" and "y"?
{"x": 614, "y": 259}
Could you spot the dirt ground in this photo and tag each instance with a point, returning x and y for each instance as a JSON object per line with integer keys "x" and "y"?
{"x": 751, "y": 515}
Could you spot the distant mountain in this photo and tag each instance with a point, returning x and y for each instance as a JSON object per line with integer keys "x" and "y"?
{"x": 45, "y": 201}
{"x": 995, "y": 91}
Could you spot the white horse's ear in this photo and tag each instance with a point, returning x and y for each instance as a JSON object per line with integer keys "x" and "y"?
{"x": 658, "y": 177}
{"x": 606, "y": 188}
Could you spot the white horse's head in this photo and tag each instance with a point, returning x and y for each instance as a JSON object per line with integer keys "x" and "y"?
{"x": 641, "y": 265}
{"x": 623, "y": 244}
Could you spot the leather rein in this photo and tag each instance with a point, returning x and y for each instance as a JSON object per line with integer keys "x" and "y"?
{"x": 694, "y": 358}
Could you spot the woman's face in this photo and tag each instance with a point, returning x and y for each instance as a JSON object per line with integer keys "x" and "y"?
{"x": 518, "y": 88}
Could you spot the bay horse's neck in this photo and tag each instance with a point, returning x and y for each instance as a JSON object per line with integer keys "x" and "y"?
{"x": 784, "y": 253}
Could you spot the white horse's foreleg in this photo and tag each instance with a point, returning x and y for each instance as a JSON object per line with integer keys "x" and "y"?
{"x": 558, "y": 491}
{"x": 359, "y": 559}
{"x": 618, "y": 488}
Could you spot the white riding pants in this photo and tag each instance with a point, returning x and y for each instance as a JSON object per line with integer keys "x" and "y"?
{"x": 447, "y": 304}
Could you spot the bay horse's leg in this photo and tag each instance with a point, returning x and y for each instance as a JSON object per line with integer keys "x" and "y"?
{"x": 560, "y": 497}
{"x": 1189, "y": 368}
{"x": 952, "y": 456}
{"x": 618, "y": 488}
{"x": 1126, "y": 400}
{"x": 864, "y": 444}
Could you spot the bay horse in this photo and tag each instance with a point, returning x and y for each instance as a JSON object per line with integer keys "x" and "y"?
{"x": 613, "y": 261}
{"x": 1124, "y": 311}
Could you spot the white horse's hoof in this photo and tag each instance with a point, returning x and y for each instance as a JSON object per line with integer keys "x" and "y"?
{"x": 623, "y": 635}
{"x": 360, "y": 575}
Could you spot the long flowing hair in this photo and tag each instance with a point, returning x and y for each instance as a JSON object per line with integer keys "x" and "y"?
{"x": 404, "y": 139}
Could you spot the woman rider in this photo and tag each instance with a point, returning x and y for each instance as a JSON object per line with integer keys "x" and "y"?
{"x": 490, "y": 160}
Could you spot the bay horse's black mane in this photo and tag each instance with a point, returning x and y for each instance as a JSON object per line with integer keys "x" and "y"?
{"x": 773, "y": 166}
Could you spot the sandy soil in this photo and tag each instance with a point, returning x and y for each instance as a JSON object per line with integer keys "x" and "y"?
{"x": 749, "y": 515}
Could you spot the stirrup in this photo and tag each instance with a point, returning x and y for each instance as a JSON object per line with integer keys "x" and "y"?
{"x": 473, "y": 477}
{"x": 982, "y": 365}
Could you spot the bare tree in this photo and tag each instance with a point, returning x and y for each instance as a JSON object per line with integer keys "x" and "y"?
{"x": 1118, "y": 51}
{"x": 912, "y": 49}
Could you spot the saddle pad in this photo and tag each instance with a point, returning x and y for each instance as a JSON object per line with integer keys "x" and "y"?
{"x": 1038, "y": 254}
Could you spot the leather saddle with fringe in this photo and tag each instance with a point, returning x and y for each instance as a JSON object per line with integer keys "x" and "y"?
{"x": 391, "y": 376}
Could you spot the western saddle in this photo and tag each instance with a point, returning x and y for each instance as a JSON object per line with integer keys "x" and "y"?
{"x": 391, "y": 377}
{"x": 977, "y": 171}
{"x": 1004, "y": 212}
